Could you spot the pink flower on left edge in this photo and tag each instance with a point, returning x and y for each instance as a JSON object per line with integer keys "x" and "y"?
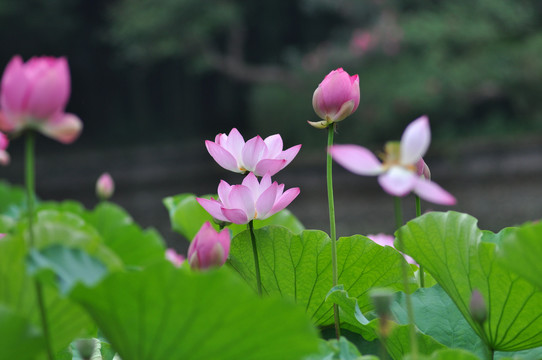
{"x": 398, "y": 174}
{"x": 209, "y": 247}
{"x": 387, "y": 240}
{"x": 4, "y": 156}
{"x": 34, "y": 95}
{"x": 251, "y": 200}
{"x": 257, "y": 155}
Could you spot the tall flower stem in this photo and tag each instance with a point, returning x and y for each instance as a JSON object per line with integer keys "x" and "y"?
{"x": 404, "y": 268}
{"x": 30, "y": 190}
{"x": 256, "y": 261}
{"x": 332, "y": 228}
{"x": 419, "y": 213}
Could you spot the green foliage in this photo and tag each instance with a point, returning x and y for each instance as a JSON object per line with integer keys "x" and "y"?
{"x": 161, "y": 312}
{"x": 19, "y": 337}
{"x": 340, "y": 349}
{"x": 187, "y": 217}
{"x": 522, "y": 252}
{"x": 298, "y": 267}
{"x": 450, "y": 247}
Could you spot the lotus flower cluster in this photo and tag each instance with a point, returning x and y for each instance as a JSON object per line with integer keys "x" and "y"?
{"x": 34, "y": 95}
{"x": 4, "y": 156}
{"x": 336, "y": 98}
{"x": 251, "y": 200}
{"x": 400, "y": 172}
{"x": 257, "y": 155}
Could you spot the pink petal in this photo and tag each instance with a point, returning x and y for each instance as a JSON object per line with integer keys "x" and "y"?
{"x": 236, "y": 216}
{"x": 241, "y": 198}
{"x": 290, "y": 154}
{"x": 251, "y": 182}
{"x": 235, "y": 144}
{"x": 253, "y": 152}
{"x": 265, "y": 202}
{"x": 213, "y": 207}
{"x": 222, "y": 156}
{"x": 64, "y": 128}
{"x": 397, "y": 181}
{"x": 270, "y": 166}
{"x": 225, "y": 240}
{"x": 4, "y": 157}
{"x": 274, "y": 146}
{"x": 356, "y": 159}
{"x": 285, "y": 200}
{"x": 415, "y": 141}
{"x": 432, "y": 192}
{"x": 264, "y": 183}
{"x": 224, "y": 192}
{"x": 15, "y": 86}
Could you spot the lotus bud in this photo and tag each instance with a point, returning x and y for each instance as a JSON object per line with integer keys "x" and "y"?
{"x": 209, "y": 248}
{"x": 336, "y": 98}
{"x": 477, "y": 306}
{"x": 174, "y": 258}
{"x": 105, "y": 187}
{"x": 382, "y": 299}
{"x": 4, "y": 156}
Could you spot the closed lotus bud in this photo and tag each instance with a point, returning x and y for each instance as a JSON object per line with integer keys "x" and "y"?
{"x": 105, "y": 187}
{"x": 85, "y": 347}
{"x": 209, "y": 248}
{"x": 423, "y": 170}
{"x": 478, "y": 308}
{"x": 382, "y": 299}
{"x": 336, "y": 98}
{"x": 174, "y": 258}
{"x": 4, "y": 156}
{"x": 34, "y": 95}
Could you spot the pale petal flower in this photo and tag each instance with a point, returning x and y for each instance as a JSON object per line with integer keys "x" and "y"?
{"x": 403, "y": 170}
{"x": 257, "y": 155}
{"x": 251, "y": 200}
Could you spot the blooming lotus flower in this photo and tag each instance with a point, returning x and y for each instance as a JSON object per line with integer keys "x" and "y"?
{"x": 105, "y": 186}
{"x": 387, "y": 240}
{"x": 34, "y": 95}
{"x": 4, "y": 156}
{"x": 398, "y": 173}
{"x": 336, "y": 98}
{"x": 257, "y": 155}
{"x": 251, "y": 200}
{"x": 209, "y": 247}
{"x": 174, "y": 258}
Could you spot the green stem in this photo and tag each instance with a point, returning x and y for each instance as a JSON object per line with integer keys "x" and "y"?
{"x": 256, "y": 261}
{"x": 30, "y": 190}
{"x": 419, "y": 213}
{"x": 332, "y": 229}
{"x": 404, "y": 268}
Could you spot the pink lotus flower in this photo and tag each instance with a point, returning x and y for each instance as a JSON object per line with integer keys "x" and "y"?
{"x": 257, "y": 155}
{"x": 4, "y": 156}
{"x": 105, "y": 186}
{"x": 34, "y": 95}
{"x": 387, "y": 240}
{"x": 240, "y": 204}
{"x": 174, "y": 258}
{"x": 336, "y": 97}
{"x": 209, "y": 247}
{"x": 398, "y": 173}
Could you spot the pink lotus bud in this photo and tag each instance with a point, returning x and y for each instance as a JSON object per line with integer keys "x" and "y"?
{"x": 209, "y": 248}
{"x": 4, "y": 156}
{"x": 174, "y": 258}
{"x": 478, "y": 308}
{"x": 105, "y": 186}
{"x": 423, "y": 170}
{"x": 336, "y": 97}
{"x": 2, "y": 235}
{"x": 34, "y": 95}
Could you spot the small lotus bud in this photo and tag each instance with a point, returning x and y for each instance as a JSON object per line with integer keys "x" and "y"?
{"x": 86, "y": 348}
{"x": 478, "y": 308}
{"x": 174, "y": 258}
{"x": 209, "y": 248}
{"x": 105, "y": 186}
{"x": 423, "y": 170}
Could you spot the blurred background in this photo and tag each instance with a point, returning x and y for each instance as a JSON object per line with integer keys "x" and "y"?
{"x": 151, "y": 79}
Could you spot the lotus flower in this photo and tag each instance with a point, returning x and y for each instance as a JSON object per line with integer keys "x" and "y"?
{"x": 257, "y": 155}
{"x": 336, "y": 98}
{"x": 398, "y": 173}
{"x": 251, "y": 200}
{"x": 34, "y": 95}
{"x": 174, "y": 258}
{"x": 4, "y": 156}
{"x": 387, "y": 240}
{"x": 209, "y": 247}
{"x": 105, "y": 186}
